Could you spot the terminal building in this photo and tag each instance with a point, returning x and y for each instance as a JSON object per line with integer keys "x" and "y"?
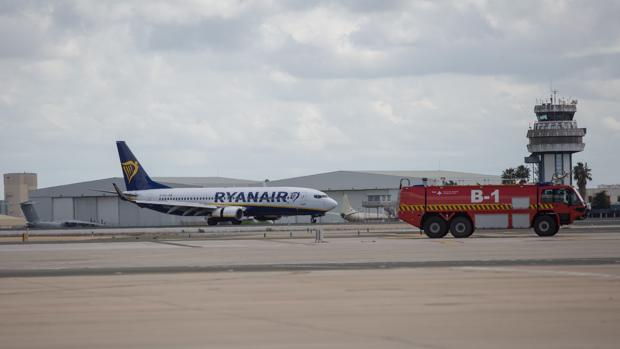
{"x": 367, "y": 191}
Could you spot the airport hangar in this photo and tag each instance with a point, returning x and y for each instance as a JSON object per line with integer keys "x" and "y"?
{"x": 368, "y": 191}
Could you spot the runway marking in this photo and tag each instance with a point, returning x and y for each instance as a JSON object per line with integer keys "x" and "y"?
{"x": 487, "y": 265}
{"x": 542, "y": 272}
{"x": 289, "y": 242}
{"x": 449, "y": 242}
{"x": 175, "y": 244}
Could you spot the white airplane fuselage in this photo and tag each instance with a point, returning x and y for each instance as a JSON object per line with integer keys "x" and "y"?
{"x": 235, "y": 203}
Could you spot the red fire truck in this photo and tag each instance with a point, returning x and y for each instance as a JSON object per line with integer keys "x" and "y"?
{"x": 462, "y": 209}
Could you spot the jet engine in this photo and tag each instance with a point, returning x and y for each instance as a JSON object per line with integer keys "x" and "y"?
{"x": 228, "y": 212}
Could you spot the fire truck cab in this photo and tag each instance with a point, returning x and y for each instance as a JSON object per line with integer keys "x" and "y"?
{"x": 462, "y": 209}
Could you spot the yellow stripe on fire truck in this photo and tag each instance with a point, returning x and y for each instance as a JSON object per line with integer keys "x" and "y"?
{"x": 456, "y": 207}
{"x": 468, "y": 207}
{"x": 541, "y": 206}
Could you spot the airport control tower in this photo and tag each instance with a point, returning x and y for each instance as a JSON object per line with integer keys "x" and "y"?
{"x": 553, "y": 140}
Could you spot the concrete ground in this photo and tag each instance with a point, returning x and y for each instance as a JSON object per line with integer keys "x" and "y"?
{"x": 410, "y": 250}
{"x": 390, "y": 291}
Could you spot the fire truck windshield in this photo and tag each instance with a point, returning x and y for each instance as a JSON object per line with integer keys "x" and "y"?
{"x": 575, "y": 198}
{"x": 566, "y": 196}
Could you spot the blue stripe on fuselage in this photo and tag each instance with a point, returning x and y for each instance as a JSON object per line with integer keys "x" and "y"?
{"x": 253, "y": 211}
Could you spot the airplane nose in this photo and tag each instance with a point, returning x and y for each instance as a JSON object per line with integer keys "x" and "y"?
{"x": 331, "y": 203}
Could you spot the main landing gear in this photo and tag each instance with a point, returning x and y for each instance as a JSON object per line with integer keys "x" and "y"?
{"x": 216, "y": 221}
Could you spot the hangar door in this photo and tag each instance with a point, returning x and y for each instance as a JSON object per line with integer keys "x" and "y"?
{"x": 86, "y": 209}
{"x": 62, "y": 208}
{"x": 107, "y": 210}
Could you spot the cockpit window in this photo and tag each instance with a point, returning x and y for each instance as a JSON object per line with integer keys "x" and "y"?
{"x": 320, "y": 196}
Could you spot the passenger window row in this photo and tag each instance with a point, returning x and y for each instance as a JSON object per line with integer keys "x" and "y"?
{"x": 169, "y": 198}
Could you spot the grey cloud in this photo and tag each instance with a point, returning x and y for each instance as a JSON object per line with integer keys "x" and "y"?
{"x": 209, "y": 33}
{"x": 463, "y": 41}
{"x": 360, "y": 6}
{"x": 19, "y": 39}
{"x": 29, "y": 28}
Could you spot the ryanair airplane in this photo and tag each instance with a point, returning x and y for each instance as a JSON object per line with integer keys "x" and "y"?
{"x": 218, "y": 204}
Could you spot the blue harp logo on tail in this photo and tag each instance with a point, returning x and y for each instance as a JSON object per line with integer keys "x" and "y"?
{"x": 130, "y": 168}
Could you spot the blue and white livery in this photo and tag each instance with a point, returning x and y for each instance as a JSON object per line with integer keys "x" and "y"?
{"x": 218, "y": 204}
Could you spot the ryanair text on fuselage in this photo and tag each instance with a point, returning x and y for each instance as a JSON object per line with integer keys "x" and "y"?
{"x": 256, "y": 197}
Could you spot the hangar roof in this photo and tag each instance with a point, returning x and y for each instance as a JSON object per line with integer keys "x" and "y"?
{"x": 361, "y": 180}
{"x": 101, "y": 186}
{"x": 464, "y": 177}
{"x": 209, "y": 181}
{"x": 342, "y": 180}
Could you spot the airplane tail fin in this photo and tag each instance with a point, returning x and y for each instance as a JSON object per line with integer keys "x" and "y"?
{"x": 346, "y": 208}
{"x": 134, "y": 174}
{"x": 29, "y": 212}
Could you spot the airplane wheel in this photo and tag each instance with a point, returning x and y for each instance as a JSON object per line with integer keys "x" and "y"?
{"x": 461, "y": 227}
{"x": 545, "y": 226}
{"x": 211, "y": 221}
{"x": 236, "y": 222}
{"x": 313, "y": 220}
{"x": 435, "y": 227}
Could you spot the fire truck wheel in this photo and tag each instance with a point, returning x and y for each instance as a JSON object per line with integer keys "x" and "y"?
{"x": 435, "y": 227}
{"x": 545, "y": 226}
{"x": 461, "y": 227}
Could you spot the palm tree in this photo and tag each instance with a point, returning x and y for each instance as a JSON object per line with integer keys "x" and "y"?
{"x": 511, "y": 175}
{"x": 582, "y": 174}
{"x": 522, "y": 173}
{"x": 508, "y": 176}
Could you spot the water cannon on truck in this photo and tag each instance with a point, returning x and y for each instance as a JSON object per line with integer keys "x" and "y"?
{"x": 462, "y": 209}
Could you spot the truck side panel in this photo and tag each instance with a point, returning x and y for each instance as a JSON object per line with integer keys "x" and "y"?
{"x": 493, "y": 220}
{"x": 488, "y": 206}
{"x": 412, "y": 205}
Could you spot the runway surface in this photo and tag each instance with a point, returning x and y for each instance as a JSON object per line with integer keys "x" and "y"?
{"x": 392, "y": 290}
{"x": 277, "y": 254}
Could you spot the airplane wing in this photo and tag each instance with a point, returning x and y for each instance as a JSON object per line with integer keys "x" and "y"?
{"x": 180, "y": 207}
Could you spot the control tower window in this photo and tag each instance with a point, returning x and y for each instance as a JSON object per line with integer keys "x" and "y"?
{"x": 559, "y": 164}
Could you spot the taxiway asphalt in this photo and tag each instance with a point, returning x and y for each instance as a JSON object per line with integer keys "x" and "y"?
{"x": 390, "y": 290}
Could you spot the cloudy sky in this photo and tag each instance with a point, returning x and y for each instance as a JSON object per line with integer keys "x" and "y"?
{"x": 273, "y": 89}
